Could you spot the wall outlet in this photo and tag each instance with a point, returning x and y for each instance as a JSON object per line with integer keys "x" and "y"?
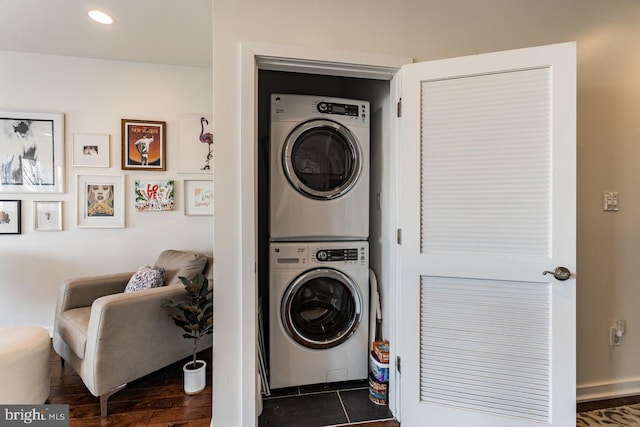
{"x": 614, "y": 339}
{"x": 617, "y": 331}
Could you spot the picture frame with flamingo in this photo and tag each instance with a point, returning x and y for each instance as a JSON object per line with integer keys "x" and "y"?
{"x": 195, "y": 143}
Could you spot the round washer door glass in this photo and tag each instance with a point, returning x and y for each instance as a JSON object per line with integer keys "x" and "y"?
{"x": 322, "y": 159}
{"x": 321, "y": 308}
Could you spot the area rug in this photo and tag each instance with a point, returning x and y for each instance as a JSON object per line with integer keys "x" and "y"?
{"x": 622, "y": 416}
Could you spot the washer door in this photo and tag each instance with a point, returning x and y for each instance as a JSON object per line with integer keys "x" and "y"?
{"x": 321, "y": 308}
{"x": 322, "y": 159}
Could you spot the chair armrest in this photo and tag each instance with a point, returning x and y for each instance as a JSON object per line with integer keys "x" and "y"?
{"x": 131, "y": 335}
{"x": 83, "y": 291}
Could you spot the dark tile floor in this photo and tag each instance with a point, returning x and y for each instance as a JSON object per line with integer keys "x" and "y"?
{"x": 321, "y": 405}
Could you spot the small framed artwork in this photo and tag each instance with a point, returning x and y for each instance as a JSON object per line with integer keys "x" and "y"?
{"x": 91, "y": 151}
{"x": 143, "y": 145}
{"x": 196, "y": 143}
{"x": 154, "y": 195}
{"x": 10, "y": 216}
{"x": 198, "y": 197}
{"x": 47, "y": 216}
{"x": 31, "y": 152}
{"x": 101, "y": 201}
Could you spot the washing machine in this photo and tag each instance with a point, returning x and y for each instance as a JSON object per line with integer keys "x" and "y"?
{"x": 318, "y": 312}
{"x": 319, "y": 171}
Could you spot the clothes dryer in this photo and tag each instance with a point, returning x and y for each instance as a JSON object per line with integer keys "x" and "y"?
{"x": 319, "y": 171}
{"x": 318, "y": 312}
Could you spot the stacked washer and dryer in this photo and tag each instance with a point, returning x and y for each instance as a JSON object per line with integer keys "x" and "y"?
{"x": 319, "y": 226}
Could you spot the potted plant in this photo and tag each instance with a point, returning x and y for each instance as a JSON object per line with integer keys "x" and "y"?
{"x": 195, "y": 317}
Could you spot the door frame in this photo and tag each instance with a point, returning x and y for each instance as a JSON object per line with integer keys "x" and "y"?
{"x": 255, "y": 56}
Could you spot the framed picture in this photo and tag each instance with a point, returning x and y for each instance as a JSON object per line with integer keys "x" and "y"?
{"x": 195, "y": 140}
{"x": 93, "y": 151}
{"x": 101, "y": 201}
{"x": 154, "y": 195}
{"x": 47, "y": 216}
{"x": 198, "y": 197}
{"x": 143, "y": 145}
{"x": 31, "y": 152}
{"x": 10, "y": 216}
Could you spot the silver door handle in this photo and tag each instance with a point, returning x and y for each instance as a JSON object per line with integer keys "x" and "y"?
{"x": 561, "y": 273}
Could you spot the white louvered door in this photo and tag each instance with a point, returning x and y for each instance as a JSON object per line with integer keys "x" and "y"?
{"x": 488, "y": 176}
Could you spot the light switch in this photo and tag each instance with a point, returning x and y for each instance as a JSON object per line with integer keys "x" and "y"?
{"x": 610, "y": 201}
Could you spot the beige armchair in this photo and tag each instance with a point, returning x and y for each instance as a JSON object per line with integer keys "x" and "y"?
{"x": 111, "y": 338}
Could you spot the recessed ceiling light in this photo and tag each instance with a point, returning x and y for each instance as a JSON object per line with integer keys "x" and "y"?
{"x": 100, "y": 17}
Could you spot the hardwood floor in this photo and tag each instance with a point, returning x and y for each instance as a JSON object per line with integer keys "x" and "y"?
{"x": 155, "y": 400}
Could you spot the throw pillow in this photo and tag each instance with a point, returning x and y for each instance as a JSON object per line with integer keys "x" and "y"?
{"x": 145, "y": 278}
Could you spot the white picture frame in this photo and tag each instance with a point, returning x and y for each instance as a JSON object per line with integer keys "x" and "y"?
{"x": 91, "y": 150}
{"x": 198, "y": 197}
{"x": 31, "y": 152}
{"x": 195, "y": 154}
{"x": 47, "y": 216}
{"x": 101, "y": 201}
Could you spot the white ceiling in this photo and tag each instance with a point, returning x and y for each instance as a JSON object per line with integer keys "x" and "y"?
{"x": 175, "y": 32}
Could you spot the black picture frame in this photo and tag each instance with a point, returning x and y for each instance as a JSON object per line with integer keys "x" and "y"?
{"x": 144, "y": 145}
{"x": 10, "y": 217}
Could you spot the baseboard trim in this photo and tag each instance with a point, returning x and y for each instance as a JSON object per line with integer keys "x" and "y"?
{"x": 612, "y": 390}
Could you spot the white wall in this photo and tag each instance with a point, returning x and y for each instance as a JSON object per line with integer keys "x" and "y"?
{"x": 607, "y": 37}
{"x": 94, "y": 96}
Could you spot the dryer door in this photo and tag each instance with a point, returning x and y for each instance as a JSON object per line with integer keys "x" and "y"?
{"x": 322, "y": 159}
{"x": 321, "y": 308}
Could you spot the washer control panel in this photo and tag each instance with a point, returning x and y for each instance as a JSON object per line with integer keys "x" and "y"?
{"x": 354, "y": 255}
{"x": 337, "y": 254}
{"x": 290, "y": 255}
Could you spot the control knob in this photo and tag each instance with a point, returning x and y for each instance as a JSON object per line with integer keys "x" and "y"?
{"x": 322, "y": 255}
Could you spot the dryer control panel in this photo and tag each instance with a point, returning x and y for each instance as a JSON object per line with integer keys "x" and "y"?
{"x": 288, "y": 107}
{"x": 334, "y": 108}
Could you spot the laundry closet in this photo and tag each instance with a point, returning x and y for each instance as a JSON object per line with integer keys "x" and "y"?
{"x": 346, "y": 252}
{"x": 446, "y": 289}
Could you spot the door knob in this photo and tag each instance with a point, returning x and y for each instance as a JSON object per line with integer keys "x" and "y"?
{"x": 561, "y": 273}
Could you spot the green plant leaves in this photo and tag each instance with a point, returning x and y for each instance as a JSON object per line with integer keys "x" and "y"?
{"x": 196, "y": 310}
